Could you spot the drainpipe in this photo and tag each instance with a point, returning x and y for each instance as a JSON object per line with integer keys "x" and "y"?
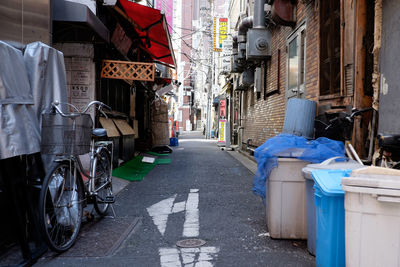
{"x": 244, "y": 25}
{"x": 259, "y": 14}
{"x": 235, "y": 43}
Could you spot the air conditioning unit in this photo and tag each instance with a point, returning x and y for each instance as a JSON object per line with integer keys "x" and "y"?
{"x": 258, "y": 45}
{"x": 236, "y": 67}
{"x": 246, "y": 79}
{"x": 242, "y": 51}
{"x": 257, "y": 80}
{"x": 236, "y": 84}
{"x": 162, "y": 71}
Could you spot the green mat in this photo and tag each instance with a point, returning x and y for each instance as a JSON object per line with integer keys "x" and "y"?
{"x": 157, "y": 154}
{"x": 163, "y": 161}
{"x": 133, "y": 170}
{"x": 136, "y": 170}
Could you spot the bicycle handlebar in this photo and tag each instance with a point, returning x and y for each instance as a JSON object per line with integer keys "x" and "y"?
{"x": 55, "y": 105}
{"x": 101, "y": 104}
{"x": 347, "y": 118}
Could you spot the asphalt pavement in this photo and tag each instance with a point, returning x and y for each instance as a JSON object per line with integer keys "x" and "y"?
{"x": 205, "y": 193}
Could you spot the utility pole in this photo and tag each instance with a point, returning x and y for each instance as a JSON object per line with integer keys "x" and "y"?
{"x": 210, "y": 76}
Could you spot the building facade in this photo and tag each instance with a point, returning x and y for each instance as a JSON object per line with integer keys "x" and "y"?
{"x": 318, "y": 50}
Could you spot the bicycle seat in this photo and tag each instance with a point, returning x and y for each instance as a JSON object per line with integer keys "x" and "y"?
{"x": 99, "y": 132}
{"x": 389, "y": 140}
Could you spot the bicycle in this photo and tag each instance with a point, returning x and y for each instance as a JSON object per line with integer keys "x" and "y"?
{"x": 388, "y": 153}
{"x": 340, "y": 128}
{"x": 67, "y": 188}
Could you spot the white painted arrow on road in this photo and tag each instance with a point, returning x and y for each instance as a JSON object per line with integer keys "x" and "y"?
{"x": 182, "y": 257}
{"x": 161, "y": 210}
{"x": 191, "y": 226}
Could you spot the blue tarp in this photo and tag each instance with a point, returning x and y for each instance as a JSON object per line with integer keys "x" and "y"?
{"x": 291, "y": 146}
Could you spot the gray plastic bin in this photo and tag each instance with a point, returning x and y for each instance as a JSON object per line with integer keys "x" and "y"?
{"x": 332, "y": 163}
{"x": 285, "y": 209}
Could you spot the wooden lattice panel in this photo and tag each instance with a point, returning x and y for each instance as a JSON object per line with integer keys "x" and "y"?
{"x": 127, "y": 70}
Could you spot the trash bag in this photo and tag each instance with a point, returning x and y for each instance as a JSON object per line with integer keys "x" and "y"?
{"x": 65, "y": 201}
{"x": 291, "y": 146}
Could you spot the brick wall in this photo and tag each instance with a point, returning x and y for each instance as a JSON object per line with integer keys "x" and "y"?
{"x": 263, "y": 119}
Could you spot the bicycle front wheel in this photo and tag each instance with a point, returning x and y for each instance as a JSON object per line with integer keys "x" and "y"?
{"x": 60, "y": 207}
{"x": 102, "y": 182}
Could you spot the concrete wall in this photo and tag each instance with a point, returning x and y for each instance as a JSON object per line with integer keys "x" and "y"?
{"x": 80, "y": 71}
{"x": 390, "y": 64}
{"x": 25, "y": 21}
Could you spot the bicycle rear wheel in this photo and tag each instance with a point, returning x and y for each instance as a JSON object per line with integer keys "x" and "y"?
{"x": 60, "y": 207}
{"x": 102, "y": 182}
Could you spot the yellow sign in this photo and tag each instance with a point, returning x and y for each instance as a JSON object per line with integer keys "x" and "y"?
{"x": 221, "y": 131}
{"x": 220, "y": 32}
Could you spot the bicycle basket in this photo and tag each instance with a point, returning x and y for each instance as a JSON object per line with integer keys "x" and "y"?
{"x": 66, "y": 135}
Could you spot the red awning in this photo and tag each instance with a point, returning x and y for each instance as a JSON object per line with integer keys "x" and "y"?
{"x": 152, "y": 26}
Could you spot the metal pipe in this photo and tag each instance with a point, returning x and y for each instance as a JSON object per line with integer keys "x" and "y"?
{"x": 244, "y": 25}
{"x": 372, "y": 136}
{"x": 235, "y": 40}
{"x": 354, "y": 153}
{"x": 259, "y": 14}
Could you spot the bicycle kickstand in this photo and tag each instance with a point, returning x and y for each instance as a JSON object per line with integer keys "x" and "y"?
{"x": 113, "y": 211}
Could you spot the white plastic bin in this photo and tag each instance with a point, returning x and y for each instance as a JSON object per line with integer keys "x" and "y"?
{"x": 372, "y": 217}
{"x": 285, "y": 196}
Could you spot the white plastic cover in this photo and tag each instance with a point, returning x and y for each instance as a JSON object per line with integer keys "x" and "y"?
{"x": 335, "y": 163}
{"x": 374, "y": 177}
{"x": 64, "y": 201}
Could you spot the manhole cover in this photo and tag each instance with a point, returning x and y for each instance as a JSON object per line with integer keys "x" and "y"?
{"x": 190, "y": 243}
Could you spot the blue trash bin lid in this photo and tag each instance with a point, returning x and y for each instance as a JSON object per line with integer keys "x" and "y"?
{"x": 330, "y": 181}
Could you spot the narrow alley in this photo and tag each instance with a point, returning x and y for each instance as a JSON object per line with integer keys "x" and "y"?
{"x": 199, "y": 133}
{"x": 152, "y": 217}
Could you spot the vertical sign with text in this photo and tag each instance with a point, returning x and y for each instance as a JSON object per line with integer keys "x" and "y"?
{"x": 221, "y": 131}
{"x": 227, "y": 47}
{"x": 220, "y": 32}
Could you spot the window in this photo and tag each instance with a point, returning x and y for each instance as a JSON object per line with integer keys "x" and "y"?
{"x": 330, "y": 47}
{"x": 296, "y": 46}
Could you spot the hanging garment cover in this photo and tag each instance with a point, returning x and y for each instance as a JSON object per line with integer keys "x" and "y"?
{"x": 47, "y": 76}
{"x": 19, "y": 132}
{"x": 151, "y": 25}
{"x": 14, "y": 85}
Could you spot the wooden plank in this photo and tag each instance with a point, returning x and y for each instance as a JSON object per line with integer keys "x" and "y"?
{"x": 136, "y": 127}
{"x": 342, "y": 37}
{"x": 109, "y": 125}
{"x": 124, "y": 127}
{"x": 348, "y": 48}
{"x": 132, "y": 111}
{"x": 360, "y": 99}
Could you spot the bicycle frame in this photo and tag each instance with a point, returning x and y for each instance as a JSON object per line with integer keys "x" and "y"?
{"x": 95, "y": 148}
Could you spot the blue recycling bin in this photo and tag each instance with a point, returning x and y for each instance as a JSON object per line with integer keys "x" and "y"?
{"x": 335, "y": 163}
{"x": 329, "y": 203}
{"x": 173, "y": 141}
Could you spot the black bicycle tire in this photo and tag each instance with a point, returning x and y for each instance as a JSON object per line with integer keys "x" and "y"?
{"x": 43, "y": 214}
{"x": 102, "y": 212}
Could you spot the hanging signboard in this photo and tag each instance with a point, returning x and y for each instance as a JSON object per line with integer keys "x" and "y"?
{"x": 220, "y": 32}
{"x": 221, "y": 131}
{"x": 227, "y": 47}
{"x": 222, "y": 113}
